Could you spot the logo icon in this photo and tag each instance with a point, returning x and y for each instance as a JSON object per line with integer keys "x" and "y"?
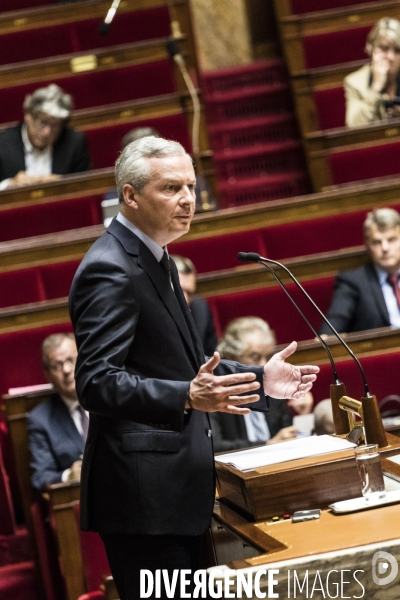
{"x": 384, "y": 568}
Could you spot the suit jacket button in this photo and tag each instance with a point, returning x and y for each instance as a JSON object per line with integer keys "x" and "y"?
{"x": 209, "y": 433}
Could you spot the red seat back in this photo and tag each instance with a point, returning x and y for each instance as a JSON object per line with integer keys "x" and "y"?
{"x": 95, "y": 563}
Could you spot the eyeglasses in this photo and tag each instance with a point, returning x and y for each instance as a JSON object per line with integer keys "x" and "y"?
{"x": 58, "y": 367}
{"x": 41, "y": 123}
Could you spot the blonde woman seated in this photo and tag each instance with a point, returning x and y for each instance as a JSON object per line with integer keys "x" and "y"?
{"x": 250, "y": 341}
{"x": 373, "y": 92}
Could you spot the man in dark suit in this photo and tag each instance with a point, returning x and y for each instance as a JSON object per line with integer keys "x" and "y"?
{"x": 147, "y": 481}
{"x": 250, "y": 340}
{"x": 43, "y": 147}
{"x": 369, "y": 297}
{"x": 58, "y": 426}
{"x": 199, "y": 307}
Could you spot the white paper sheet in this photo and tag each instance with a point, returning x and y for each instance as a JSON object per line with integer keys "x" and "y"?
{"x": 245, "y": 460}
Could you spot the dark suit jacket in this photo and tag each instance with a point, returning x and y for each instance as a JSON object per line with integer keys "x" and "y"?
{"x": 230, "y": 433}
{"x": 358, "y": 302}
{"x": 148, "y": 468}
{"x": 70, "y": 153}
{"x": 54, "y": 441}
{"x": 202, "y": 316}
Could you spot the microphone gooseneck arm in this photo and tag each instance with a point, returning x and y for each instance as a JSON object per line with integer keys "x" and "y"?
{"x": 292, "y": 300}
{"x": 254, "y": 257}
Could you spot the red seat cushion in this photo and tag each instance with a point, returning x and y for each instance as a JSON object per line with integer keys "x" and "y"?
{"x": 305, "y": 6}
{"x": 94, "y": 88}
{"x": 330, "y": 106}
{"x": 81, "y": 36}
{"x": 365, "y": 163}
{"x": 272, "y": 305}
{"x": 335, "y": 47}
{"x": 17, "y": 582}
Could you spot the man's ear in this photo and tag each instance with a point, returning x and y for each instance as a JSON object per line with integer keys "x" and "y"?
{"x": 130, "y": 196}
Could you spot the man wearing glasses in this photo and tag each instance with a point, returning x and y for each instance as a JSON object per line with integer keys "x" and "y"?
{"x": 43, "y": 147}
{"x": 58, "y": 426}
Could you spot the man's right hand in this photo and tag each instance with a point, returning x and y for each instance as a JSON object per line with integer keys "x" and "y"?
{"x": 213, "y": 393}
{"x": 75, "y": 471}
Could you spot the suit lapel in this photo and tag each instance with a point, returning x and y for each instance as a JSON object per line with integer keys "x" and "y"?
{"x": 377, "y": 294}
{"x": 147, "y": 261}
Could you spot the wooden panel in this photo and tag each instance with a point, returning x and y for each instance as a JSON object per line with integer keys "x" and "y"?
{"x": 72, "y": 245}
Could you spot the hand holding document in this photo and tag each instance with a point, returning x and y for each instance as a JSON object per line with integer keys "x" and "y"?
{"x": 254, "y": 458}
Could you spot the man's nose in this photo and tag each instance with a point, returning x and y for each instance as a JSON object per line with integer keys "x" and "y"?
{"x": 187, "y": 194}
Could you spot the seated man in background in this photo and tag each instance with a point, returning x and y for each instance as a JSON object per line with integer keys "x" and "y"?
{"x": 58, "y": 426}
{"x": 199, "y": 307}
{"x": 250, "y": 341}
{"x": 323, "y": 418}
{"x": 373, "y": 92}
{"x": 43, "y": 147}
{"x": 302, "y": 406}
{"x": 369, "y": 297}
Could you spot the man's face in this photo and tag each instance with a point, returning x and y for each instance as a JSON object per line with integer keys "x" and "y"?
{"x": 60, "y": 368}
{"x": 188, "y": 285}
{"x": 256, "y": 351}
{"x": 43, "y": 130}
{"x": 386, "y": 51}
{"x": 165, "y": 207}
{"x": 384, "y": 248}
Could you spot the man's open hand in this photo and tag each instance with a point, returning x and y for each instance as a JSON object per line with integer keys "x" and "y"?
{"x": 214, "y": 393}
{"x": 283, "y": 380}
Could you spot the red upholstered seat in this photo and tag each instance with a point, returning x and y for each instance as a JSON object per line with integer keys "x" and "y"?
{"x": 23, "y": 348}
{"x": 21, "y": 287}
{"x": 335, "y": 47}
{"x": 95, "y": 563}
{"x": 7, "y": 517}
{"x": 330, "y": 106}
{"x": 81, "y": 36}
{"x": 17, "y": 582}
{"x": 381, "y": 372}
{"x": 104, "y": 155}
{"x": 7, "y": 5}
{"x": 57, "y": 278}
{"x": 272, "y": 305}
{"x": 365, "y": 163}
{"x": 39, "y": 219}
{"x": 94, "y": 88}
{"x": 92, "y": 596}
{"x": 305, "y": 6}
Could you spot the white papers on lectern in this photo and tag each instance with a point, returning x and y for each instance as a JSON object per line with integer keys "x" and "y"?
{"x": 245, "y": 460}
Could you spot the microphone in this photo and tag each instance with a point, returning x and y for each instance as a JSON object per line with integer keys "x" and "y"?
{"x": 176, "y": 55}
{"x": 373, "y": 426}
{"x": 106, "y": 24}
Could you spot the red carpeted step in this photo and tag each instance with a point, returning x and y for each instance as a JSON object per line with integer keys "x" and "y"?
{"x": 259, "y": 160}
{"x": 251, "y": 102}
{"x": 261, "y": 73}
{"x": 260, "y": 130}
{"x": 273, "y": 187}
{"x": 17, "y": 582}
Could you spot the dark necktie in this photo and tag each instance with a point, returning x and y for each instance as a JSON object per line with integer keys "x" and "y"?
{"x": 84, "y": 422}
{"x": 164, "y": 262}
{"x": 393, "y": 280}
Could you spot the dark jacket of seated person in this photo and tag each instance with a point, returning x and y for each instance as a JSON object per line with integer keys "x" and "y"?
{"x": 369, "y": 297}
{"x": 43, "y": 147}
{"x": 230, "y": 432}
{"x": 57, "y": 427}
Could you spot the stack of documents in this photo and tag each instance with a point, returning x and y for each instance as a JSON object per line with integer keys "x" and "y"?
{"x": 245, "y": 460}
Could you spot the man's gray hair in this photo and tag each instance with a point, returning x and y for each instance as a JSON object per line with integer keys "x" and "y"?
{"x": 132, "y": 166}
{"x": 233, "y": 344}
{"x": 52, "y": 342}
{"x": 387, "y": 29}
{"x": 51, "y": 100}
{"x": 382, "y": 218}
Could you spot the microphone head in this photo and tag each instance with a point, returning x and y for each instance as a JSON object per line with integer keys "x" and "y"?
{"x": 104, "y": 28}
{"x": 248, "y": 256}
{"x": 172, "y": 47}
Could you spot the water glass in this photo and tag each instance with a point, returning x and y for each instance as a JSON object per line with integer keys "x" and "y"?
{"x": 369, "y": 468}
